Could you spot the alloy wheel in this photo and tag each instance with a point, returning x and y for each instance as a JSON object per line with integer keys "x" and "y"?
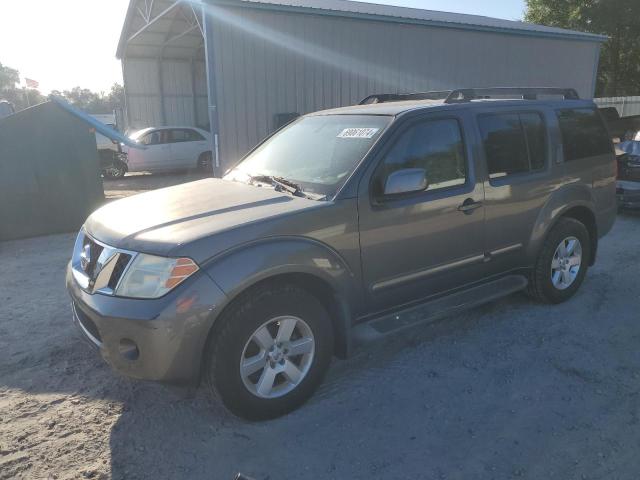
{"x": 277, "y": 357}
{"x": 566, "y": 262}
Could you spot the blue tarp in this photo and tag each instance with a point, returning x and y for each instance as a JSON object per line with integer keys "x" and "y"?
{"x": 630, "y": 148}
{"x": 99, "y": 126}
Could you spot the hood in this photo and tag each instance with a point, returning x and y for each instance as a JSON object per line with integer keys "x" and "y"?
{"x": 160, "y": 221}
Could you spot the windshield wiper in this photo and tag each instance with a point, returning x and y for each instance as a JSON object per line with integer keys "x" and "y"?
{"x": 282, "y": 184}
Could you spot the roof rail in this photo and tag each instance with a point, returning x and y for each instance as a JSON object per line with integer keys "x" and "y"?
{"x": 400, "y": 97}
{"x": 463, "y": 95}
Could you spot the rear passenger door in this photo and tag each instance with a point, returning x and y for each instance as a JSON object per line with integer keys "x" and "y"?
{"x": 186, "y": 146}
{"x": 516, "y": 148}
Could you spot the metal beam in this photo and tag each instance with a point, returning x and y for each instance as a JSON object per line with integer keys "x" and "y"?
{"x": 198, "y": 19}
{"x": 178, "y": 36}
{"x": 154, "y": 20}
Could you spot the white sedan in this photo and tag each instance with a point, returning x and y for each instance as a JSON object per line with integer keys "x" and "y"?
{"x": 169, "y": 148}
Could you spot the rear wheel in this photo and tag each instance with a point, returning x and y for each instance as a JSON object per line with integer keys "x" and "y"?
{"x": 271, "y": 352}
{"x": 562, "y": 263}
{"x": 205, "y": 163}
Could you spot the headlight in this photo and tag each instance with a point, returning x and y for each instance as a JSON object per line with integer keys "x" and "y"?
{"x": 152, "y": 277}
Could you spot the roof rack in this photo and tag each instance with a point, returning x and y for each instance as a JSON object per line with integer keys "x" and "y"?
{"x": 401, "y": 97}
{"x": 463, "y": 95}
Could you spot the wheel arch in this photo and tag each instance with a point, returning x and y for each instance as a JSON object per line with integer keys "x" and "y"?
{"x": 573, "y": 203}
{"x": 303, "y": 262}
{"x": 587, "y": 217}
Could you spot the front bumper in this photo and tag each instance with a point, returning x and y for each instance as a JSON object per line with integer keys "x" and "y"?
{"x": 628, "y": 194}
{"x": 161, "y": 339}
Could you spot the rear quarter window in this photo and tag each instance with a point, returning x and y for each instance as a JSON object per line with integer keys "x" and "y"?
{"x": 583, "y": 134}
{"x": 514, "y": 143}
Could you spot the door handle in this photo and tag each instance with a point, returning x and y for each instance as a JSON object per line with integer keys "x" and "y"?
{"x": 469, "y": 206}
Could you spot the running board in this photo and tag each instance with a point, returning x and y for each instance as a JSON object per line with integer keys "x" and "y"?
{"x": 435, "y": 309}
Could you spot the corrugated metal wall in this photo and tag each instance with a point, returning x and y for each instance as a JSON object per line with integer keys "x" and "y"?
{"x": 165, "y": 92}
{"x": 49, "y": 172}
{"x": 275, "y": 62}
{"x": 626, "y": 106}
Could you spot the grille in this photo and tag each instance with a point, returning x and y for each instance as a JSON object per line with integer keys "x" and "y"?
{"x": 96, "y": 250}
{"x": 118, "y": 270}
{"x": 106, "y": 265}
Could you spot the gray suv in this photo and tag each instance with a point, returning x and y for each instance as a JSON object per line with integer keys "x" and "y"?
{"x": 345, "y": 226}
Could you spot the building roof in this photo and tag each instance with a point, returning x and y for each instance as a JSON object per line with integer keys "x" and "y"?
{"x": 174, "y": 25}
{"x": 414, "y": 15}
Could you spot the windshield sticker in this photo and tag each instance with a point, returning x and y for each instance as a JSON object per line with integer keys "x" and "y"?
{"x": 358, "y": 132}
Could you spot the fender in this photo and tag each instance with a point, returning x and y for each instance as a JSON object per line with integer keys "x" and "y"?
{"x": 242, "y": 267}
{"x": 558, "y": 203}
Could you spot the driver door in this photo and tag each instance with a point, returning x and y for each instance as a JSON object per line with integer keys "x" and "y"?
{"x": 423, "y": 243}
{"x": 155, "y": 155}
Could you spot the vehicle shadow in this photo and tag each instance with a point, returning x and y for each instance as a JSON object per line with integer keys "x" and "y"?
{"x": 485, "y": 394}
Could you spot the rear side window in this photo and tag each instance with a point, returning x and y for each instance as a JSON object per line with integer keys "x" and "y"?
{"x": 185, "y": 135}
{"x": 434, "y": 145}
{"x": 513, "y": 143}
{"x": 583, "y": 134}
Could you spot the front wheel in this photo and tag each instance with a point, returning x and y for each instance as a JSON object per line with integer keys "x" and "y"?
{"x": 562, "y": 264}
{"x": 115, "y": 170}
{"x": 271, "y": 352}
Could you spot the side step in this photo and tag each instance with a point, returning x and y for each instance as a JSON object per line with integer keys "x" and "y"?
{"x": 436, "y": 309}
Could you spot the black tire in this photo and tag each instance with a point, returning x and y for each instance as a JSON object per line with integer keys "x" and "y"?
{"x": 238, "y": 324}
{"x": 116, "y": 170}
{"x": 541, "y": 286}
{"x": 205, "y": 163}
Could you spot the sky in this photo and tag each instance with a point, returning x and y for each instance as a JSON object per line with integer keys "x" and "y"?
{"x": 67, "y": 43}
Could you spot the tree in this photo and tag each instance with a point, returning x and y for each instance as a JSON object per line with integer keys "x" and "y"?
{"x": 93, "y": 102}
{"x": 619, "y": 71}
{"x": 9, "y": 78}
{"x": 10, "y": 89}
{"x": 82, "y": 98}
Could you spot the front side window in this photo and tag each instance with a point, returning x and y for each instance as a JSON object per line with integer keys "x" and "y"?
{"x": 435, "y": 146}
{"x": 583, "y": 134}
{"x": 316, "y": 152}
{"x": 513, "y": 143}
{"x": 152, "y": 138}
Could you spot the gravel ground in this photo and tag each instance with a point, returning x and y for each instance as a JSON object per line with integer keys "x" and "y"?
{"x": 511, "y": 390}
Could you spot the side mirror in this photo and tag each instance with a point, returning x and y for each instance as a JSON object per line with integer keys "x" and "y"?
{"x": 408, "y": 180}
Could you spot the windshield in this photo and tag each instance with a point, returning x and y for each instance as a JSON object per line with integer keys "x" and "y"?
{"x": 318, "y": 152}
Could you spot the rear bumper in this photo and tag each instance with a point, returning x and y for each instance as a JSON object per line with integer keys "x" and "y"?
{"x": 628, "y": 194}
{"x": 161, "y": 339}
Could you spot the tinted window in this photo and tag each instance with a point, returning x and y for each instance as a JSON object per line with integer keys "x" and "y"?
{"x": 152, "y": 138}
{"x": 536, "y": 136}
{"x": 436, "y": 146}
{"x": 185, "y": 136}
{"x": 583, "y": 134}
{"x": 513, "y": 143}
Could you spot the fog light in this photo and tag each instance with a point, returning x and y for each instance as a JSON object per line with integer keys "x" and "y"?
{"x": 129, "y": 349}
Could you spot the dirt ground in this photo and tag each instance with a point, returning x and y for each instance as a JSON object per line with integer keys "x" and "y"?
{"x": 511, "y": 390}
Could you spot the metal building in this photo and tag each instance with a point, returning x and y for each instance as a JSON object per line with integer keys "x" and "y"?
{"x": 244, "y": 67}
